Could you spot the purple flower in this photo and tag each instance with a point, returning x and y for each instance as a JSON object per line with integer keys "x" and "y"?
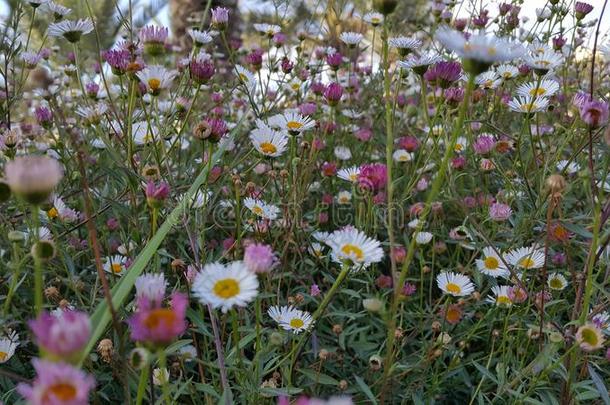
{"x": 259, "y": 258}
{"x": 454, "y": 95}
{"x": 594, "y": 113}
{"x": 92, "y": 89}
{"x": 581, "y": 9}
{"x": 220, "y": 18}
{"x": 333, "y": 93}
{"x": 408, "y": 289}
{"x": 499, "y": 212}
{"x": 156, "y": 193}
{"x": 57, "y": 384}
{"x": 201, "y": 70}
{"x": 218, "y": 128}
{"x": 373, "y": 176}
{"x": 443, "y": 74}
{"x": 255, "y": 59}
{"x": 334, "y": 60}
{"x": 118, "y": 59}
{"x": 308, "y": 108}
{"x": 44, "y": 116}
{"x": 158, "y": 325}
{"x": 152, "y": 34}
{"x": 61, "y": 336}
{"x": 484, "y": 144}
{"x": 314, "y": 290}
{"x": 286, "y": 65}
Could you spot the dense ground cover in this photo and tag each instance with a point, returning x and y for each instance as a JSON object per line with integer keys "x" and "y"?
{"x": 352, "y": 208}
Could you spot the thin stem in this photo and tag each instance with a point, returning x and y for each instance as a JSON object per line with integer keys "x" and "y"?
{"x": 142, "y": 384}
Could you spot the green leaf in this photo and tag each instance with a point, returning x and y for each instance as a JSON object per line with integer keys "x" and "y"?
{"x": 101, "y": 316}
{"x": 319, "y": 377}
{"x": 365, "y": 389}
{"x": 599, "y": 384}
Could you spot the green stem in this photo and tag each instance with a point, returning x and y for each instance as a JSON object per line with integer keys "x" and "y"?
{"x": 142, "y": 384}
{"x": 165, "y": 381}
{"x": 37, "y": 262}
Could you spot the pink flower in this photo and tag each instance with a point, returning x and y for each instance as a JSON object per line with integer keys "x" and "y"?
{"x": 158, "y": 325}
{"x": 484, "y": 144}
{"x": 408, "y": 289}
{"x": 259, "y": 258}
{"x": 314, "y": 290}
{"x": 156, "y": 194}
{"x": 57, "y": 384}
{"x": 220, "y": 18}
{"x": 594, "y": 113}
{"x": 333, "y": 94}
{"x": 499, "y": 212}
{"x": 61, "y": 336}
{"x": 373, "y": 176}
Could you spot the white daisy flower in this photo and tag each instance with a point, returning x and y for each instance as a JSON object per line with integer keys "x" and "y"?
{"x": 570, "y": 167}
{"x": 269, "y": 142}
{"x": 354, "y": 247}
{"x": 292, "y": 122}
{"x": 321, "y": 236}
{"x": 151, "y": 286}
{"x": 546, "y": 88}
{"x": 405, "y": 45}
{"x": 423, "y": 238}
{"x": 460, "y": 144}
{"x": 92, "y": 115}
{"x": 290, "y": 318}
{"x": 602, "y": 321}
{"x": 344, "y": 197}
{"x": 491, "y": 264}
{"x": 262, "y": 209}
{"x": 160, "y": 376}
{"x": 507, "y": 72}
{"x": 479, "y": 48}
{"x": 526, "y": 258}
{"x": 44, "y": 233}
{"x": 62, "y": 211}
{"x": 374, "y": 18}
{"x": 246, "y": 78}
{"x": 528, "y": 104}
{"x": 268, "y": 29}
{"x": 351, "y": 38}
{"x": 58, "y": 10}
{"x": 501, "y": 296}
{"x": 420, "y": 63}
{"x": 455, "y": 284}
{"x": 402, "y": 155}
{"x": 225, "y": 286}
{"x": 156, "y": 78}
{"x": 349, "y": 174}
{"x": 70, "y": 30}
{"x": 143, "y": 133}
{"x": 200, "y": 37}
{"x": 342, "y": 152}
{"x": 201, "y": 198}
{"x": 544, "y": 61}
{"x": 115, "y": 264}
{"x": 557, "y": 282}
{"x": 8, "y": 345}
{"x": 316, "y": 250}
{"x": 488, "y": 80}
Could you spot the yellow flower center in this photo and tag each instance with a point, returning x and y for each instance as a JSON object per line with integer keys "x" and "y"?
{"x": 458, "y": 147}
{"x": 527, "y": 263}
{"x": 116, "y": 268}
{"x": 154, "y": 84}
{"x": 52, "y": 213}
{"x": 268, "y": 148}
{"x": 527, "y": 107}
{"x": 375, "y": 20}
{"x": 226, "y": 288}
{"x": 62, "y": 391}
{"x": 243, "y": 77}
{"x": 160, "y": 317}
{"x": 491, "y": 263}
{"x": 353, "y": 177}
{"x": 507, "y": 75}
{"x": 538, "y": 92}
{"x": 503, "y": 300}
{"x": 257, "y": 210}
{"x": 296, "y": 323}
{"x": 295, "y": 86}
{"x": 556, "y": 284}
{"x": 3, "y": 356}
{"x": 589, "y": 337}
{"x": 294, "y": 125}
{"x": 491, "y": 50}
{"x": 453, "y": 288}
{"x": 352, "y": 251}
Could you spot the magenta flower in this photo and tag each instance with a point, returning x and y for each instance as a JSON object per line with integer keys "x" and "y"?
{"x": 443, "y": 74}
{"x": 156, "y": 194}
{"x": 158, "y": 325}
{"x": 484, "y": 144}
{"x": 44, "y": 116}
{"x": 314, "y": 290}
{"x": 201, "y": 70}
{"x": 594, "y": 113}
{"x": 286, "y": 65}
{"x": 499, "y": 212}
{"x": 118, "y": 59}
{"x": 581, "y": 9}
{"x": 152, "y": 34}
{"x": 57, "y": 384}
{"x": 334, "y": 60}
{"x": 259, "y": 258}
{"x": 61, "y": 336}
{"x": 333, "y": 93}
{"x": 373, "y": 176}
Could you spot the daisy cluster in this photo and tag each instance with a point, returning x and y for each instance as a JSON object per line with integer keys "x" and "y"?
{"x": 324, "y": 204}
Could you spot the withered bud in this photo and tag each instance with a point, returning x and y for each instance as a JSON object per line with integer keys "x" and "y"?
{"x": 178, "y": 264}
{"x": 556, "y": 184}
{"x": 399, "y": 333}
{"x": 202, "y": 131}
{"x": 105, "y": 349}
{"x": 375, "y": 362}
{"x": 52, "y": 293}
{"x": 151, "y": 172}
{"x": 284, "y": 173}
{"x": 436, "y": 326}
{"x": 337, "y": 329}
{"x": 299, "y": 298}
{"x": 63, "y": 304}
{"x": 342, "y": 385}
{"x": 324, "y": 354}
